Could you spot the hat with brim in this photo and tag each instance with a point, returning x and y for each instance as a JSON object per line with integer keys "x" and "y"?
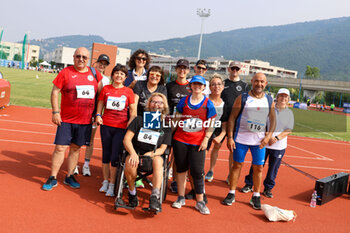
{"x": 198, "y": 79}
{"x": 103, "y": 57}
{"x": 235, "y": 64}
{"x": 283, "y": 91}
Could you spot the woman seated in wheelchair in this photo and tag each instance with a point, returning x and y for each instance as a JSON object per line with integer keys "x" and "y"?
{"x": 139, "y": 141}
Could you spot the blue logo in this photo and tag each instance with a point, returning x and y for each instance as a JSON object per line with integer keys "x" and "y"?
{"x": 151, "y": 120}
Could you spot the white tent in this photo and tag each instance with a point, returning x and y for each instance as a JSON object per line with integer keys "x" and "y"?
{"x": 45, "y": 63}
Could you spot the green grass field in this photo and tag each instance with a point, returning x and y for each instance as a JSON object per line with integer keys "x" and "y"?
{"x": 28, "y": 90}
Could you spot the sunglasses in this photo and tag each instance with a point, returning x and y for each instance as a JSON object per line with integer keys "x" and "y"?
{"x": 157, "y": 102}
{"x": 141, "y": 58}
{"x": 234, "y": 68}
{"x": 201, "y": 68}
{"x": 155, "y": 74}
{"x": 81, "y": 56}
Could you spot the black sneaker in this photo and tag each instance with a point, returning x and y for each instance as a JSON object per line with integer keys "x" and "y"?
{"x": 133, "y": 200}
{"x": 255, "y": 202}
{"x": 191, "y": 195}
{"x": 205, "y": 199}
{"x": 154, "y": 203}
{"x": 267, "y": 193}
{"x": 229, "y": 199}
{"x": 247, "y": 189}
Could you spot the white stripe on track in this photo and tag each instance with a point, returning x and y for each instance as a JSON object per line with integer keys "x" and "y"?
{"x": 324, "y": 157}
{"x": 27, "y": 122}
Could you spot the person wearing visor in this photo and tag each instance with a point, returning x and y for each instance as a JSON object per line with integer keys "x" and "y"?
{"x": 277, "y": 145}
{"x": 190, "y": 141}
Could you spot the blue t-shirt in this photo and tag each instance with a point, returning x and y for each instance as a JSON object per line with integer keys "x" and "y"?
{"x": 211, "y": 112}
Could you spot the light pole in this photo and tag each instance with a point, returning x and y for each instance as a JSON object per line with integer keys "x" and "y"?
{"x": 203, "y": 13}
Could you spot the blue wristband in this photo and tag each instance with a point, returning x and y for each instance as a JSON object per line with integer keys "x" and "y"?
{"x": 99, "y": 115}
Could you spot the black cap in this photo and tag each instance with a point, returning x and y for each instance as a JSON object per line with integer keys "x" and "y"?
{"x": 202, "y": 62}
{"x": 103, "y": 57}
{"x": 183, "y": 62}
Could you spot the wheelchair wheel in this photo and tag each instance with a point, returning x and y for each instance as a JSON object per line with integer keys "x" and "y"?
{"x": 118, "y": 187}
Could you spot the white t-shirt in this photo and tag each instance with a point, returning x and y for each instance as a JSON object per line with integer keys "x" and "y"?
{"x": 284, "y": 120}
{"x": 252, "y": 122}
{"x": 105, "y": 80}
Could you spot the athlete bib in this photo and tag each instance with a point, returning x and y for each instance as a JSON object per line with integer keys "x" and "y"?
{"x": 148, "y": 136}
{"x": 256, "y": 125}
{"x": 116, "y": 103}
{"x": 85, "y": 91}
{"x": 193, "y": 125}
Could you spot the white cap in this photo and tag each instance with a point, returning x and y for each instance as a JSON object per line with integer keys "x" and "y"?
{"x": 283, "y": 91}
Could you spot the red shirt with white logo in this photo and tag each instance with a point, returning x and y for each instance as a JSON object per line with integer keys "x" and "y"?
{"x": 116, "y": 102}
{"x": 78, "y": 92}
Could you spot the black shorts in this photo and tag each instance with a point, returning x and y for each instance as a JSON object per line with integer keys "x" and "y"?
{"x": 187, "y": 156}
{"x": 68, "y": 133}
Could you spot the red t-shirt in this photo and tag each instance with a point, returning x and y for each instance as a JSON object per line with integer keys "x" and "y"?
{"x": 116, "y": 102}
{"x": 78, "y": 92}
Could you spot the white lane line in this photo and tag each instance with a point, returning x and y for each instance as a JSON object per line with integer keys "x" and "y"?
{"x": 25, "y": 131}
{"x": 26, "y": 122}
{"x": 317, "y": 140}
{"x": 320, "y": 131}
{"x": 324, "y": 157}
{"x": 301, "y": 166}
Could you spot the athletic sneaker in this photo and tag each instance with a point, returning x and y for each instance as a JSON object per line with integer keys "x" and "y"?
{"x": 173, "y": 187}
{"x": 72, "y": 182}
{"x": 229, "y": 199}
{"x": 86, "y": 171}
{"x": 255, "y": 202}
{"x": 139, "y": 184}
{"x": 267, "y": 193}
{"x": 104, "y": 187}
{"x": 76, "y": 170}
{"x": 202, "y": 208}
{"x": 246, "y": 189}
{"x": 133, "y": 200}
{"x": 110, "y": 191}
{"x": 209, "y": 176}
{"x": 154, "y": 203}
{"x": 50, "y": 183}
{"x": 179, "y": 202}
{"x": 191, "y": 195}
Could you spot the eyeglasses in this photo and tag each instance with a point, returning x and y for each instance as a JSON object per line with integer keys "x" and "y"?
{"x": 81, "y": 56}
{"x": 155, "y": 74}
{"x": 141, "y": 58}
{"x": 157, "y": 102}
{"x": 235, "y": 68}
{"x": 201, "y": 68}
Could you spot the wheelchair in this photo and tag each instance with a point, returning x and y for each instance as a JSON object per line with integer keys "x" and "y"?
{"x": 121, "y": 180}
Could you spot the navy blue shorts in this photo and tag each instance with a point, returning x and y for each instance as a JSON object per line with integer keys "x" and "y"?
{"x": 112, "y": 144}
{"x": 68, "y": 133}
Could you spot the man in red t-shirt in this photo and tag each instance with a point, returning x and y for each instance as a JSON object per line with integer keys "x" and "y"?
{"x": 78, "y": 88}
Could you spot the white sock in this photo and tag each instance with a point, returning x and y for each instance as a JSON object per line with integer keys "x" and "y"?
{"x": 86, "y": 163}
{"x": 133, "y": 192}
{"x": 110, "y": 186}
{"x": 256, "y": 194}
{"x": 232, "y": 191}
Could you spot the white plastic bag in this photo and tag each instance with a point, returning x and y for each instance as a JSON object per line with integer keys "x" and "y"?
{"x": 274, "y": 214}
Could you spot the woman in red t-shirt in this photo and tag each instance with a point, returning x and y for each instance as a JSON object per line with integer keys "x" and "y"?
{"x": 116, "y": 100}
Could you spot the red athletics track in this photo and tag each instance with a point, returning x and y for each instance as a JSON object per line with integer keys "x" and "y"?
{"x": 26, "y": 136}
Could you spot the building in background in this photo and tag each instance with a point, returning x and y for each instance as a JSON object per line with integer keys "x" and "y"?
{"x": 13, "y": 52}
{"x": 123, "y": 56}
{"x": 63, "y": 57}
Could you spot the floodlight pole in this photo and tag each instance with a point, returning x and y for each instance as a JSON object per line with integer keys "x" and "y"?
{"x": 203, "y": 13}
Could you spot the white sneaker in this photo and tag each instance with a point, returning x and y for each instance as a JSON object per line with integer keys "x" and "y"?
{"x": 104, "y": 187}
{"x": 202, "y": 208}
{"x": 76, "y": 170}
{"x": 110, "y": 191}
{"x": 179, "y": 203}
{"x": 86, "y": 171}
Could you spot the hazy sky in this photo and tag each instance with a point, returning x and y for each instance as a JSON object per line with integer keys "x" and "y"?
{"x": 142, "y": 20}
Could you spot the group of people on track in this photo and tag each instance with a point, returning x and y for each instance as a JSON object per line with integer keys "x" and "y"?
{"x": 201, "y": 113}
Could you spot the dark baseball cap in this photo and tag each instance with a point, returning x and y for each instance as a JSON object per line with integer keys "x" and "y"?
{"x": 183, "y": 62}
{"x": 202, "y": 62}
{"x": 103, "y": 57}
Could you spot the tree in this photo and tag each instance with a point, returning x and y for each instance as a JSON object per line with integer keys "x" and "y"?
{"x": 17, "y": 57}
{"x": 33, "y": 63}
{"x": 312, "y": 72}
{"x": 3, "y": 55}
